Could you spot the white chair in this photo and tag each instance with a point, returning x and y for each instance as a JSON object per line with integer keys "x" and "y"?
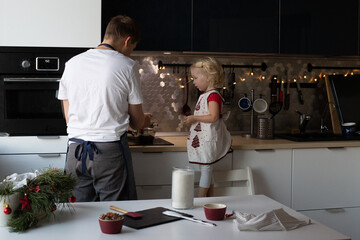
{"x": 233, "y": 182}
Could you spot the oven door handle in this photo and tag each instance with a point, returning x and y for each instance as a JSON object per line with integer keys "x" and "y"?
{"x": 31, "y": 80}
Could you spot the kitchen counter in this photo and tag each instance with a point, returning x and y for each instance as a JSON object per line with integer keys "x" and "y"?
{"x": 245, "y": 143}
{"x": 81, "y": 222}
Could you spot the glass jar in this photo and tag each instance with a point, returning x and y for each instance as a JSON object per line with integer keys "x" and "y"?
{"x": 182, "y": 190}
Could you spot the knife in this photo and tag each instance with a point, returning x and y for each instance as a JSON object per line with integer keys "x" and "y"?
{"x": 184, "y": 214}
{"x": 300, "y": 96}
{"x": 176, "y": 214}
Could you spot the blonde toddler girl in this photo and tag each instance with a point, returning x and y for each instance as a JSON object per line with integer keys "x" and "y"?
{"x": 208, "y": 140}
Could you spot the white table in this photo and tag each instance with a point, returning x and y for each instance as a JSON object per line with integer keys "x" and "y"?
{"x": 82, "y": 223}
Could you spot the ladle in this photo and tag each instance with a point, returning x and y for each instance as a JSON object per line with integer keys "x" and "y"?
{"x": 186, "y": 109}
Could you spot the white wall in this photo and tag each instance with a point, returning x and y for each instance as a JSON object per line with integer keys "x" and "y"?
{"x": 50, "y": 23}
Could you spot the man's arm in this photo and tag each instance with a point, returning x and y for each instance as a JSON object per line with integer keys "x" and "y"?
{"x": 65, "y": 108}
{"x": 138, "y": 119}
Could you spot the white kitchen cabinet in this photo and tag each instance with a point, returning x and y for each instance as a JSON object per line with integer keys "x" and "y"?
{"x": 43, "y": 23}
{"x": 271, "y": 171}
{"x": 33, "y": 144}
{"x": 27, "y": 154}
{"x": 153, "y": 171}
{"x": 344, "y": 220}
{"x": 326, "y": 187}
{"x": 326, "y": 178}
{"x": 21, "y": 163}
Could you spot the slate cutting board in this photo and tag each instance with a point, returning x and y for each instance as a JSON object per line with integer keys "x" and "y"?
{"x": 151, "y": 217}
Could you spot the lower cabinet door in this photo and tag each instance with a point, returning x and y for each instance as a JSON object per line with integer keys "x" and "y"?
{"x": 344, "y": 220}
{"x": 153, "y": 192}
{"x": 23, "y": 163}
{"x": 156, "y": 168}
{"x": 271, "y": 171}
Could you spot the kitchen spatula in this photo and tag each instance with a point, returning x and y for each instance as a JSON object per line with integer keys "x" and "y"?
{"x": 130, "y": 214}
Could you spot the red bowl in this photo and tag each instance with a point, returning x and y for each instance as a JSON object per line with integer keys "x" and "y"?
{"x": 215, "y": 211}
{"x": 111, "y": 226}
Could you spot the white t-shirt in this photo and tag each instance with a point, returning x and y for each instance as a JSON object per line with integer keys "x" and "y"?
{"x": 99, "y": 85}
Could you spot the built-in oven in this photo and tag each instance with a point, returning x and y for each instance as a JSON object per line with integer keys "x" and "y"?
{"x": 29, "y": 83}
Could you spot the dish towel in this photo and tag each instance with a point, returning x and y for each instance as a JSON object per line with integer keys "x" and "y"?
{"x": 274, "y": 220}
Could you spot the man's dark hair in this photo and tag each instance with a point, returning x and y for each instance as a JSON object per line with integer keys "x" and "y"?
{"x": 122, "y": 26}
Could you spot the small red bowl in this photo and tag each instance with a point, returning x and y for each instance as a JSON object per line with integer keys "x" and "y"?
{"x": 111, "y": 226}
{"x": 215, "y": 211}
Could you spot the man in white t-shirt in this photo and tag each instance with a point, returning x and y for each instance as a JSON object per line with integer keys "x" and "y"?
{"x": 101, "y": 96}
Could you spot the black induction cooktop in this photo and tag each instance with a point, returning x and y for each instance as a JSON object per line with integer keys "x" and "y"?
{"x": 136, "y": 141}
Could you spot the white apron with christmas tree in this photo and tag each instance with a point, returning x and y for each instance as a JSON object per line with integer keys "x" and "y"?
{"x": 207, "y": 142}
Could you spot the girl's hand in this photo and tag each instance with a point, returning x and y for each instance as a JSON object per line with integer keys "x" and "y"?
{"x": 189, "y": 119}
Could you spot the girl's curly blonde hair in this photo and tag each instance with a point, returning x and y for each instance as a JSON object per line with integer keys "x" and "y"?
{"x": 212, "y": 68}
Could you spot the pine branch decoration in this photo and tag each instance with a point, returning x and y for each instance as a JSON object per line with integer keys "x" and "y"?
{"x": 41, "y": 196}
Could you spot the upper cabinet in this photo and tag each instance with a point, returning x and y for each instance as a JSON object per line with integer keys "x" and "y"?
{"x": 313, "y": 27}
{"x": 165, "y": 25}
{"x": 319, "y": 27}
{"x": 236, "y": 26}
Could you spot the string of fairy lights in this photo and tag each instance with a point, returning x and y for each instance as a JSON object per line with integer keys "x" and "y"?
{"x": 243, "y": 75}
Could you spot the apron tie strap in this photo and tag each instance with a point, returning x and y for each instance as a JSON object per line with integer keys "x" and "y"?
{"x": 82, "y": 150}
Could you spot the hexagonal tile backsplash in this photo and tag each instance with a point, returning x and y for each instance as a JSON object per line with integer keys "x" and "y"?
{"x": 164, "y": 90}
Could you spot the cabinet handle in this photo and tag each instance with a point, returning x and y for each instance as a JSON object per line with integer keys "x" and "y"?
{"x": 265, "y": 150}
{"x": 335, "y": 210}
{"x": 49, "y": 155}
{"x": 336, "y": 148}
{"x": 150, "y": 187}
{"x": 151, "y": 152}
{"x": 48, "y": 137}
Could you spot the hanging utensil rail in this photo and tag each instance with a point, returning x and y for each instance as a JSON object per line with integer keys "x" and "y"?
{"x": 262, "y": 66}
{"x": 310, "y": 67}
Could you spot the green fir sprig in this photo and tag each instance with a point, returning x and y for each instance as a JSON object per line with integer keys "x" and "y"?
{"x": 40, "y": 198}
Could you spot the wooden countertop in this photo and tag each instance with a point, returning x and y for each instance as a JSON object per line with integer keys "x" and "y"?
{"x": 246, "y": 143}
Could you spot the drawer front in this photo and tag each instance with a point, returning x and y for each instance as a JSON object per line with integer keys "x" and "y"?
{"x": 29, "y": 163}
{"x": 153, "y": 192}
{"x": 271, "y": 171}
{"x": 32, "y": 144}
{"x": 326, "y": 178}
{"x": 344, "y": 220}
{"x": 156, "y": 168}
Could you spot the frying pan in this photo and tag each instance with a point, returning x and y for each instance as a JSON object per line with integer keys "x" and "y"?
{"x": 275, "y": 108}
